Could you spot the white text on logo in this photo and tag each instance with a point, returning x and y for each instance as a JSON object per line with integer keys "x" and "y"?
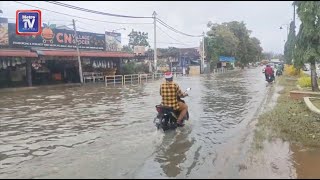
{"x": 28, "y": 21}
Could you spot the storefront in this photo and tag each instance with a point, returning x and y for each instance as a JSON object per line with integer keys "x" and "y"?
{"x": 54, "y": 66}
{"x": 15, "y": 67}
{"x": 226, "y": 62}
{"x": 51, "y": 58}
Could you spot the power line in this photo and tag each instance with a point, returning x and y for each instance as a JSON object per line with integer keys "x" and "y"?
{"x": 77, "y": 16}
{"x": 97, "y": 12}
{"x": 171, "y": 36}
{"x": 157, "y": 42}
{"x": 92, "y": 11}
{"x": 175, "y": 30}
{"x": 116, "y": 15}
{"x": 55, "y": 20}
{"x": 180, "y": 43}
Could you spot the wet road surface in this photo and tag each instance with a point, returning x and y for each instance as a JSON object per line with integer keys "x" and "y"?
{"x": 107, "y": 132}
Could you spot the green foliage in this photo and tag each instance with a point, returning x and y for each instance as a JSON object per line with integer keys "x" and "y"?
{"x": 304, "y": 81}
{"x": 232, "y": 39}
{"x": 307, "y": 41}
{"x": 127, "y": 48}
{"x": 128, "y": 68}
{"x": 254, "y": 49}
{"x": 290, "y": 119}
{"x": 289, "y": 46}
{"x": 169, "y": 52}
{"x": 138, "y": 38}
{"x": 135, "y": 68}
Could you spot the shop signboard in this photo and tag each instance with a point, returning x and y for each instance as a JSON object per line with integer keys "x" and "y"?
{"x": 4, "y": 36}
{"x": 113, "y": 41}
{"x": 56, "y": 38}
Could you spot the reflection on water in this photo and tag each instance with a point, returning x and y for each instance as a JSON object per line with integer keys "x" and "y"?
{"x": 306, "y": 162}
{"x": 172, "y": 155}
{"x": 51, "y": 128}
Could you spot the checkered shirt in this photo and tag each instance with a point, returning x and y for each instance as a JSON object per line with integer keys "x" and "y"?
{"x": 169, "y": 92}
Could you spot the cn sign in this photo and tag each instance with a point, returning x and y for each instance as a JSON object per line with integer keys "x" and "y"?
{"x": 28, "y": 22}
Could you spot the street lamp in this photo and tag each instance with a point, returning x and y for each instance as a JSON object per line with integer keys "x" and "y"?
{"x": 281, "y": 27}
{"x": 118, "y": 29}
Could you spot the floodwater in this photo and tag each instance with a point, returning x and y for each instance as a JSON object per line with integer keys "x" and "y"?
{"x": 96, "y": 131}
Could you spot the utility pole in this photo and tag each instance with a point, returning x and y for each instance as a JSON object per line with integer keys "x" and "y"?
{"x": 294, "y": 18}
{"x": 155, "y": 39}
{"x": 294, "y": 29}
{"x": 78, "y": 52}
{"x": 202, "y": 59}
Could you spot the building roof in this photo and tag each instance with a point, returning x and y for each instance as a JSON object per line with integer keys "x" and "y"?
{"x": 66, "y": 53}
{"x": 63, "y": 27}
{"x": 17, "y": 52}
{"x": 275, "y": 60}
{"x": 84, "y": 53}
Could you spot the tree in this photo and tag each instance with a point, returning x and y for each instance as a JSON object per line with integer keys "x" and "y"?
{"x": 169, "y": 52}
{"x": 138, "y": 38}
{"x": 243, "y": 34}
{"x": 289, "y": 46}
{"x": 220, "y": 42}
{"x": 267, "y": 55}
{"x": 232, "y": 39}
{"x": 127, "y": 48}
{"x": 308, "y": 38}
{"x": 254, "y": 50}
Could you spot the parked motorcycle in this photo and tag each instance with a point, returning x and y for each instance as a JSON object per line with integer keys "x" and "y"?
{"x": 167, "y": 117}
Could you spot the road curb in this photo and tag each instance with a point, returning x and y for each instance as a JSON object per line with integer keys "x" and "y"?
{"x": 309, "y": 104}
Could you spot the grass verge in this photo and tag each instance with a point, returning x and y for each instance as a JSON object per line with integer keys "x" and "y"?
{"x": 289, "y": 120}
{"x": 315, "y": 102}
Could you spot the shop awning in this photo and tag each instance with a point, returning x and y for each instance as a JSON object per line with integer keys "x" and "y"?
{"x": 17, "y": 53}
{"x": 84, "y": 53}
{"x": 106, "y": 54}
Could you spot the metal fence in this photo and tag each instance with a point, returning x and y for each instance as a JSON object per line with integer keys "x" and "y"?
{"x": 157, "y": 76}
{"x": 132, "y": 78}
{"x": 142, "y": 78}
{"x": 116, "y": 79}
{"x": 176, "y": 74}
{"x": 220, "y": 70}
{"x": 145, "y": 77}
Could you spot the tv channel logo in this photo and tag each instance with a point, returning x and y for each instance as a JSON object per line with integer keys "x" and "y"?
{"x": 28, "y": 22}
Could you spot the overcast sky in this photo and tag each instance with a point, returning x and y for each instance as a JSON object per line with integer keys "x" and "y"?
{"x": 262, "y": 17}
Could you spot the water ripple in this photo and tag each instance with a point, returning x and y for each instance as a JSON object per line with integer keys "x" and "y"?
{"x": 118, "y": 121}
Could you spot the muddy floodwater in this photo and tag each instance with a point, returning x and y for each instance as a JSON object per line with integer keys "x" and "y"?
{"x": 96, "y": 131}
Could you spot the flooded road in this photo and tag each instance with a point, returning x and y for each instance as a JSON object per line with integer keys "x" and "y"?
{"x": 107, "y": 132}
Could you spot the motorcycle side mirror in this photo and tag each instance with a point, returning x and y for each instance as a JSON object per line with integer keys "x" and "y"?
{"x": 188, "y": 89}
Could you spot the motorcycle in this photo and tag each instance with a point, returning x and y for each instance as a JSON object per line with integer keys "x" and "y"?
{"x": 279, "y": 72}
{"x": 269, "y": 79}
{"x": 167, "y": 117}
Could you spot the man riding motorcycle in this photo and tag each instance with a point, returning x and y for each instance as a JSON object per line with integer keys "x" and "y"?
{"x": 279, "y": 70}
{"x": 170, "y": 91}
{"x": 269, "y": 72}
